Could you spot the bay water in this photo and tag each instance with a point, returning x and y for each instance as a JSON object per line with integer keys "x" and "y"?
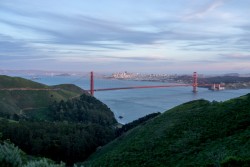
{"x": 135, "y": 103}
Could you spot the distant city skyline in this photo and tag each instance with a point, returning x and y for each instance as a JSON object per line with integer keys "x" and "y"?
{"x": 160, "y": 36}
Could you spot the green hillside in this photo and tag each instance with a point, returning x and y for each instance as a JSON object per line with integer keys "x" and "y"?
{"x": 17, "y": 102}
{"x": 18, "y": 82}
{"x": 62, "y": 122}
{"x": 197, "y": 133}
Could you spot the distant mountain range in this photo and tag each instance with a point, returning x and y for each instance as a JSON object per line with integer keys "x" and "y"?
{"x": 41, "y": 73}
{"x": 78, "y": 73}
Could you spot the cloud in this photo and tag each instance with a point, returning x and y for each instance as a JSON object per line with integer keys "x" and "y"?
{"x": 10, "y": 46}
{"x": 205, "y": 10}
{"x": 13, "y": 49}
{"x": 87, "y": 31}
{"x": 24, "y": 58}
{"x": 68, "y": 36}
{"x": 91, "y": 31}
{"x": 235, "y": 56}
{"x": 105, "y": 58}
{"x": 243, "y": 39}
{"x": 245, "y": 27}
{"x": 135, "y": 58}
{"x": 212, "y": 6}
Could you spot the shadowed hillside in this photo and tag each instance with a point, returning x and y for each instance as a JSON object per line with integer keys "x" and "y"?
{"x": 14, "y": 103}
{"x": 197, "y": 133}
{"x": 62, "y": 122}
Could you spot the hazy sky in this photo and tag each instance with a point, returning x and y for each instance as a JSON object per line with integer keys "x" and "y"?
{"x": 166, "y": 36}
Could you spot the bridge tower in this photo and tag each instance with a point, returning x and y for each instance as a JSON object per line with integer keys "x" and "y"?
{"x": 195, "y": 82}
{"x": 92, "y": 83}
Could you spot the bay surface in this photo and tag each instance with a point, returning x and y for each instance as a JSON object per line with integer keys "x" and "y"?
{"x": 135, "y": 103}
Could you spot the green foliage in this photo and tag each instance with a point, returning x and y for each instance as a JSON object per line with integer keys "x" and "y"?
{"x": 197, "y": 133}
{"x": 133, "y": 124}
{"x": 233, "y": 161}
{"x": 70, "y": 88}
{"x": 86, "y": 109}
{"x": 58, "y": 124}
{"x": 69, "y": 142}
{"x": 73, "y": 130}
{"x": 43, "y": 163}
{"x": 10, "y": 155}
{"x": 16, "y": 104}
{"x": 17, "y": 82}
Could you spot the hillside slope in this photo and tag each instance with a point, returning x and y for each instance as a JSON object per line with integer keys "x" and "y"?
{"x": 18, "y": 82}
{"x": 197, "y": 133}
{"x": 17, "y": 102}
{"x": 60, "y": 122}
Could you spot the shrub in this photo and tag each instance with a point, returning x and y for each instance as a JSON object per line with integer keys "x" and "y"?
{"x": 43, "y": 163}
{"x": 10, "y": 155}
{"x": 232, "y": 161}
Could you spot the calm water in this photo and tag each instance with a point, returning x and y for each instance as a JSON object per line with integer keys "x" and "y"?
{"x": 135, "y": 103}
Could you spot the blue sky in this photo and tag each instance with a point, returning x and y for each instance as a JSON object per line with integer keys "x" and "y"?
{"x": 164, "y": 36}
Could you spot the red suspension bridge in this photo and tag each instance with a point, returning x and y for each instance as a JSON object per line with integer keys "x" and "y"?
{"x": 194, "y": 85}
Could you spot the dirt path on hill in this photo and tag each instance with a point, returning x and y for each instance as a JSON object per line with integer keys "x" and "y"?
{"x": 30, "y": 108}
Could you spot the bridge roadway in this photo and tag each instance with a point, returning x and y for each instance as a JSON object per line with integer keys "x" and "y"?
{"x": 107, "y": 89}
{"x": 152, "y": 86}
{"x": 141, "y": 87}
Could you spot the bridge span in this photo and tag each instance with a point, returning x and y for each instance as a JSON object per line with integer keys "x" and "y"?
{"x": 194, "y": 85}
{"x": 92, "y": 89}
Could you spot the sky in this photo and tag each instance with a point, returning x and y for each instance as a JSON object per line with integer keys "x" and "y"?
{"x": 160, "y": 36}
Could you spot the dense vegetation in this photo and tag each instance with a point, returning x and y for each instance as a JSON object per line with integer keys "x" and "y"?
{"x": 12, "y": 156}
{"x": 133, "y": 124}
{"x": 76, "y": 128}
{"x": 197, "y": 133}
{"x": 59, "y": 141}
{"x": 86, "y": 110}
{"x": 15, "y": 103}
{"x": 60, "y": 125}
{"x": 73, "y": 147}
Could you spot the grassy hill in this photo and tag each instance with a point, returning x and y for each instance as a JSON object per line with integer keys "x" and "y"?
{"x": 17, "y": 102}
{"x": 60, "y": 122}
{"x": 18, "y": 82}
{"x": 197, "y": 133}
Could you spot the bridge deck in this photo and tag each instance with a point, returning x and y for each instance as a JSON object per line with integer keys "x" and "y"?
{"x": 151, "y": 86}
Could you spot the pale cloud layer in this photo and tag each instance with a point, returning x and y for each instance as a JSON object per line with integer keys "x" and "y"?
{"x": 143, "y": 35}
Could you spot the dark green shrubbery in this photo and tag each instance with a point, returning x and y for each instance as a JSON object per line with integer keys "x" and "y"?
{"x": 12, "y": 156}
{"x": 197, "y": 133}
{"x": 76, "y": 128}
{"x": 87, "y": 109}
{"x": 233, "y": 161}
{"x": 135, "y": 123}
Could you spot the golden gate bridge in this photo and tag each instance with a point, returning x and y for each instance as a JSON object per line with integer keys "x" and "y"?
{"x": 194, "y": 84}
{"x": 92, "y": 89}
